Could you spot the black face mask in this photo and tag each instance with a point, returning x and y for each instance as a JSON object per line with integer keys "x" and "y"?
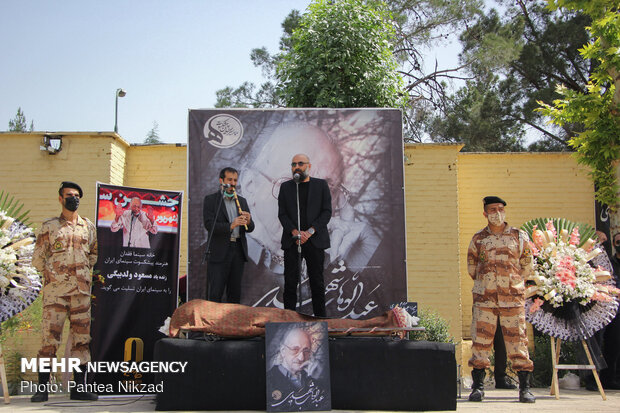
{"x": 72, "y": 203}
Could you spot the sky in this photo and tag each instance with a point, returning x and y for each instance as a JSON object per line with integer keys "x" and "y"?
{"x": 62, "y": 61}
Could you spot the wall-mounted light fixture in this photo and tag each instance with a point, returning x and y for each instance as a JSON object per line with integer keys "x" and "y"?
{"x": 119, "y": 94}
{"x": 52, "y": 144}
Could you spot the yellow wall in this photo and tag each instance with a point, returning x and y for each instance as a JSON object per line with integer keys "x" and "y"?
{"x": 443, "y": 192}
{"x": 533, "y": 185}
{"x": 33, "y": 176}
{"x": 118, "y": 159}
{"x": 433, "y": 278}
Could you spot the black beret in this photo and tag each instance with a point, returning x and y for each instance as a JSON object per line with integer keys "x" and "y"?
{"x": 493, "y": 200}
{"x": 68, "y": 184}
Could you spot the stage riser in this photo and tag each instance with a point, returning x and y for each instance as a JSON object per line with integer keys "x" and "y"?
{"x": 366, "y": 374}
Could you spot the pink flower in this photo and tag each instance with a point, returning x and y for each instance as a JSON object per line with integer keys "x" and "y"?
{"x": 551, "y": 228}
{"x": 566, "y": 276}
{"x": 536, "y": 305}
{"x": 574, "y": 236}
{"x": 567, "y": 263}
{"x": 613, "y": 290}
{"x": 598, "y": 296}
{"x": 533, "y": 248}
{"x": 539, "y": 238}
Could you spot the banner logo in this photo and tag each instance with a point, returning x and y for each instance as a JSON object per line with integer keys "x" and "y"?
{"x": 129, "y": 347}
{"x": 223, "y": 131}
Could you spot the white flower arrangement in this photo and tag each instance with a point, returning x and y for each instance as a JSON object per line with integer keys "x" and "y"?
{"x": 19, "y": 280}
{"x": 561, "y": 270}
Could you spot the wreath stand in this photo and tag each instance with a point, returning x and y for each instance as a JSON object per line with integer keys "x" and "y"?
{"x": 5, "y": 387}
{"x": 555, "y": 360}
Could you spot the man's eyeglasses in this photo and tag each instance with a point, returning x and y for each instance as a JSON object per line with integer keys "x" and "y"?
{"x": 340, "y": 194}
{"x": 294, "y": 164}
{"x": 296, "y": 350}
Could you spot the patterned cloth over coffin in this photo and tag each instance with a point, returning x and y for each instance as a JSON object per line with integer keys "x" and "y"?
{"x": 236, "y": 320}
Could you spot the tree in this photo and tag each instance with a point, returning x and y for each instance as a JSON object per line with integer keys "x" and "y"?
{"x": 532, "y": 49}
{"x": 152, "y": 137}
{"x": 479, "y": 115}
{"x": 596, "y": 108}
{"x": 18, "y": 123}
{"x": 423, "y": 26}
{"x": 341, "y": 56}
{"x": 420, "y": 25}
{"x": 248, "y": 94}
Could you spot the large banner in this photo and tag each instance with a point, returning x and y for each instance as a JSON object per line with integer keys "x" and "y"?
{"x": 603, "y": 224}
{"x": 360, "y": 154}
{"x": 138, "y": 232}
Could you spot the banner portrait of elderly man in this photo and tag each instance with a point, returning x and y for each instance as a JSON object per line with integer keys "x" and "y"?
{"x": 135, "y": 223}
{"x": 358, "y": 152}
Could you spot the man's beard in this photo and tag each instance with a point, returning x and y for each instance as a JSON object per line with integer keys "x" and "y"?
{"x": 303, "y": 174}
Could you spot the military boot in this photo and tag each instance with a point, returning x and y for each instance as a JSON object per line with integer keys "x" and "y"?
{"x": 525, "y": 396}
{"x": 477, "y": 388}
{"x": 41, "y": 395}
{"x": 80, "y": 379}
{"x": 503, "y": 382}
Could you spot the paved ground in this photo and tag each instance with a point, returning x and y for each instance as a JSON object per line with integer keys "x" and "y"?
{"x": 496, "y": 401}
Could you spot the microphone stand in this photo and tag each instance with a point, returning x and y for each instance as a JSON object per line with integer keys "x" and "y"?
{"x": 208, "y": 248}
{"x": 130, "y": 229}
{"x": 299, "y": 299}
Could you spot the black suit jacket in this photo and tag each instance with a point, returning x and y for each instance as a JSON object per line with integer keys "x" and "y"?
{"x": 318, "y": 210}
{"x": 221, "y": 232}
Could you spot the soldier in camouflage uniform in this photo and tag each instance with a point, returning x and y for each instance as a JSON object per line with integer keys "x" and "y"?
{"x": 65, "y": 252}
{"x": 499, "y": 260}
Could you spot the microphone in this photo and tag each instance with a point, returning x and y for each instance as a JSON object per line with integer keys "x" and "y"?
{"x": 225, "y": 186}
{"x": 297, "y": 178}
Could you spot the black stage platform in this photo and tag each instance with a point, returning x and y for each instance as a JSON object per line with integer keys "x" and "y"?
{"x": 366, "y": 374}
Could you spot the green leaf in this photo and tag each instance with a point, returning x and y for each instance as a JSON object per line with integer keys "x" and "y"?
{"x": 13, "y": 207}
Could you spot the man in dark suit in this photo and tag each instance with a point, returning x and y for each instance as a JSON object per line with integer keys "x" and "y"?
{"x": 315, "y": 211}
{"x": 610, "y": 377}
{"x": 227, "y": 222}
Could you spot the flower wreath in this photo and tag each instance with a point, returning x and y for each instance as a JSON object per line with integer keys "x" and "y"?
{"x": 569, "y": 295}
{"x": 20, "y": 282}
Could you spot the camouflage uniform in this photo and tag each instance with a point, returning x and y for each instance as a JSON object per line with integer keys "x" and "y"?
{"x": 499, "y": 265}
{"x": 65, "y": 253}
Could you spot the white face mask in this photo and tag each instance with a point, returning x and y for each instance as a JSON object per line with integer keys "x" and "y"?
{"x": 497, "y": 218}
